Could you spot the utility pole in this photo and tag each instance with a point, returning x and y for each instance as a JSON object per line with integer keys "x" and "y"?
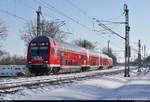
{"x": 127, "y": 46}
{"x": 108, "y": 47}
{"x": 139, "y": 56}
{"x": 144, "y": 51}
{"x": 84, "y": 44}
{"x": 126, "y": 38}
{"x": 38, "y": 20}
{"x": 144, "y": 56}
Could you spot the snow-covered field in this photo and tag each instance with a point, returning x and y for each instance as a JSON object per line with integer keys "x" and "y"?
{"x": 113, "y": 87}
{"x": 12, "y": 70}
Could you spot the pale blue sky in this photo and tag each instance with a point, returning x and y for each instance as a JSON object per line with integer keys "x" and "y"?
{"x": 111, "y": 10}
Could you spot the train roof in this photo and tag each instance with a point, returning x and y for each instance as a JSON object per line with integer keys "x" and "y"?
{"x": 65, "y": 45}
{"x": 93, "y": 53}
{"x": 105, "y": 56}
{"x": 41, "y": 39}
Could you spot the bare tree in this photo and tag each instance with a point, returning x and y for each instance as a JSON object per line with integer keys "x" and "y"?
{"x": 110, "y": 54}
{"x": 84, "y": 43}
{"x": 1, "y": 53}
{"x": 3, "y": 35}
{"x": 6, "y": 59}
{"x": 48, "y": 28}
{"x": 3, "y": 30}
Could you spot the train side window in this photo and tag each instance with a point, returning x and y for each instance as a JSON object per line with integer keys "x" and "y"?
{"x": 71, "y": 62}
{"x": 79, "y": 60}
{"x": 58, "y": 52}
{"x": 76, "y": 62}
{"x": 94, "y": 63}
{"x": 81, "y": 56}
{"x": 66, "y": 62}
{"x": 90, "y": 61}
{"x": 53, "y": 51}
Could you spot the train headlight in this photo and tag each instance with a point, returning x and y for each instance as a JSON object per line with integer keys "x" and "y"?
{"x": 30, "y": 62}
{"x": 46, "y": 62}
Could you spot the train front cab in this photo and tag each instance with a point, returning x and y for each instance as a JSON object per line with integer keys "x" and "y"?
{"x": 38, "y": 55}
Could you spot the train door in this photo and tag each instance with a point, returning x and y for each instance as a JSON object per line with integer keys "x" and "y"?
{"x": 90, "y": 61}
{"x": 61, "y": 58}
{"x": 79, "y": 60}
{"x": 101, "y": 61}
{"x": 82, "y": 60}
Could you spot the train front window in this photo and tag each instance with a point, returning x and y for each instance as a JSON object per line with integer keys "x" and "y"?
{"x": 33, "y": 51}
{"x": 38, "y": 50}
{"x": 43, "y": 51}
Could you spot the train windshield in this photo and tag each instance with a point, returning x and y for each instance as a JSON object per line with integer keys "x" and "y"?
{"x": 38, "y": 50}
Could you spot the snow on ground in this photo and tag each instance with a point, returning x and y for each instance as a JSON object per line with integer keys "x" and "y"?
{"x": 12, "y": 70}
{"x": 113, "y": 87}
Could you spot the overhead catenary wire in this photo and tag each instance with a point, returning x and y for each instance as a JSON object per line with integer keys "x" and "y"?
{"x": 113, "y": 22}
{"x": 79, "y": 9}
{"x": 133, "y": 49}
{"x": 28, "y": 6}
{"x": 104, "y": 33}
{"x": 14, "y": 15}
{"x": 84, "y": 13}
{"x": 105, "y": 27}
{"x": 112, "y": 42}
{"x": 118, "y": 17}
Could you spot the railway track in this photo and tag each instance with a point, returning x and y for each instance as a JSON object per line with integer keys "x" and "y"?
{"x": 13, "y": 85}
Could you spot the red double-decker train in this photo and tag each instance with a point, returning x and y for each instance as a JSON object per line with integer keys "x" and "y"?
{"x": 46, "y": 55}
